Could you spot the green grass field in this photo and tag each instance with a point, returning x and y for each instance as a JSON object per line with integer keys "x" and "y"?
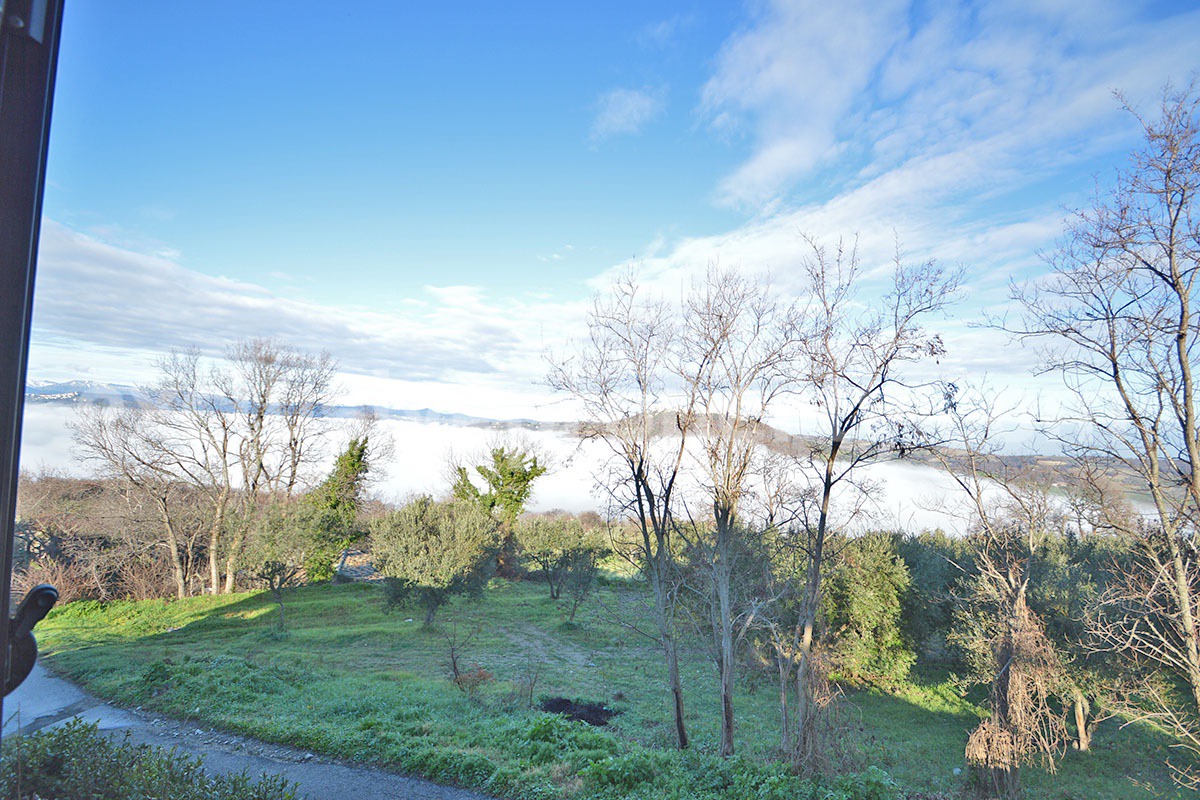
{"x": 348, "y": 680}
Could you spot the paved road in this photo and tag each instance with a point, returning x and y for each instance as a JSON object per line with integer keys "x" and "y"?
{"x": 44, "y": 700}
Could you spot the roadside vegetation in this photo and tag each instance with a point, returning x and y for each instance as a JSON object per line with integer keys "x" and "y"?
{"x": 76, "y": 760}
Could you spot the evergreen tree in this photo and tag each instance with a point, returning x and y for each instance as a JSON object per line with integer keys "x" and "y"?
{"x": 335, "y": 501}
{"x": 508, "y": 480}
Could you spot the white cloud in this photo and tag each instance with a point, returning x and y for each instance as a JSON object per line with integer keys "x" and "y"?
{"x": 114, "y": 310}
{"x": 790, "y": 80}
{"x": 960, "y": 132}
{"x": 868, "y": 87}
{"x": 625, "y": 111}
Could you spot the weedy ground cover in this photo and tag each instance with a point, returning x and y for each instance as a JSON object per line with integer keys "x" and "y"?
{"x": 351, "y": 681}
{"x": 76, "y": 760}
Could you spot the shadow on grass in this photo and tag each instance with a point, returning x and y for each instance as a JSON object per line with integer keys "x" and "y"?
{"x": 919, "y": 734}
{"x": 351, "y": 681}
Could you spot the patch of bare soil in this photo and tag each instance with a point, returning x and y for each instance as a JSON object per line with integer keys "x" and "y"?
{"x": 595, "y": 714}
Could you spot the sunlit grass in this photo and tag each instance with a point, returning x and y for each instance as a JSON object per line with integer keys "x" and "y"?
{"x": 350, "y": 680}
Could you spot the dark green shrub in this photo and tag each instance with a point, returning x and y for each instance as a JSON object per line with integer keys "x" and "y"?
{"x": 935, "y": 562}
{"x": 870, "y": 784}
{"x": 640, "y": 769}
{"x": 863, "y": 600}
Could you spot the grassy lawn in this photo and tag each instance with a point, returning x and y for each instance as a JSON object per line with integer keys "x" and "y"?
{"x": 348, "y": 680}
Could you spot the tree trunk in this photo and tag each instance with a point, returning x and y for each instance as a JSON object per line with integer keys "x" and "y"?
{"x": 785, "y": 724}
{"x": 722, "y": 619}
{"x": 230, "y": 571}
{"x": 1082, "y": 708}
{"x": 214, "y": 541}
{"x": 173, "y": 547}
{"x": 804, "y": 743}
{"x": 214, "y": 560}
{"x": 725, "y": 662}
{"x": 278, "y": 592}
{"x": 1187, "y": 622}
{"x": 657, "y": 568}
{"x": 726, "y": 704}
{"x": 681, "y": 737}
{"x": 1002, "y": 782}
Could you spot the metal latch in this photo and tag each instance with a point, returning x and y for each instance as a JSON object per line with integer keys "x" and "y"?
{"x": 22, "y": 647}
{"x": 25, "y": 18}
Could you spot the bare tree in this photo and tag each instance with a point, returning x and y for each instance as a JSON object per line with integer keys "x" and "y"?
{"x": 619, "y": 376}
{"x": 237, "y": 435}
{"x": 192, "y": 433}
{"x": 278, "y": 393}
{"x": 1116, "y": 319}
{"x": 122, "y": 445}
{"x": 738, "y": 346}
{"x": 852, "y": 372}
{"x": 1011, "y": 516}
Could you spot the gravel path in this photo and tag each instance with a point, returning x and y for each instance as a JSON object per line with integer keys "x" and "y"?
{"x": 44, "y": 700}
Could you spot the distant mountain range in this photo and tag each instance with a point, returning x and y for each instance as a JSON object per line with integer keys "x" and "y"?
{"x": 119, "y": 395}
{"x": 1046, "y": 467}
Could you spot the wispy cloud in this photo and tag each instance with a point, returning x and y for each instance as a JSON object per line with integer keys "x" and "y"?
{"x": 664, "y": 32}
{"x": 625, "y": 111}
{"x": 789, "y": 81}
{"x": 95, "y": 295}
{"x": 862, "y": 88}
{"x": 959, "y": 133}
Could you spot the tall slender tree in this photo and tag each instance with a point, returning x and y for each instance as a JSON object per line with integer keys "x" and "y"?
{"x": 738, "y": 349}
{"x": 853, "y": 373}
{"x": 1117, "y": 320}
{"x": 620, "y": 377}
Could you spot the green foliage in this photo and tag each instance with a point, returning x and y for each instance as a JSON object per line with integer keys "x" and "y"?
{"x": 283, "y": 537}
{"x": 357, "y": 685}
{"x": 936, "y": 561}
{"x": 622, "y": 774}
{"x": 863, "y": 598}
{"x": 334, "y": 524}
{"x": 340, "y": 492}
{"x": 508, "y": 481}
{"x": 77, "y": 761}
{"x": 397, "y": 592}
{"x": 564, "y": 553}
{"x": 440, "y": 548}
{"x": 643, "y": 773}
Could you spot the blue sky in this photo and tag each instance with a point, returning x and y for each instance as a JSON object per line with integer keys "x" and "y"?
{"x": 432, "y": 191}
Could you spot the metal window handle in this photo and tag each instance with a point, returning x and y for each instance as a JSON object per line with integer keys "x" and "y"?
{"x": 22, "y": 647}
{"x": 26, "y": 17}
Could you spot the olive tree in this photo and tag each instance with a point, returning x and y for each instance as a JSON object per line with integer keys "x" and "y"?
{"x": 436, "y": 550}
{"x": 565, "y": 553}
